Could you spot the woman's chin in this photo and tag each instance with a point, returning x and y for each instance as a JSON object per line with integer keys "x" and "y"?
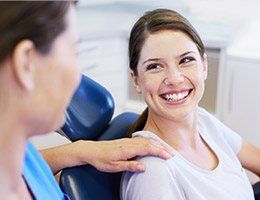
{"x": 60, "y": 122}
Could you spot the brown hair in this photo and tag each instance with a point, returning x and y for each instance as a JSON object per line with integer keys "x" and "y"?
{"x": 41, "y": 22}
{"x": 152, "y": 22}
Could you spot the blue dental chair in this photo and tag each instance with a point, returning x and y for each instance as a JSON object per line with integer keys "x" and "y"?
{"x": 89, "y": 117}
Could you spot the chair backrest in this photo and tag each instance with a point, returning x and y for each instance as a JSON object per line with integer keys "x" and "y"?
{"x": 85, "y": 182}
{"x": 89, "y": 112}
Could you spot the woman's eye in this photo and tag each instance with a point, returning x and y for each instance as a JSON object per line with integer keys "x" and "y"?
{"x": 153, "y": 67}
{"x": 187, "y": 60}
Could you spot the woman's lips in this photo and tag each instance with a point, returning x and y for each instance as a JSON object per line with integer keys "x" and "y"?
{"x": 176, "y": 97}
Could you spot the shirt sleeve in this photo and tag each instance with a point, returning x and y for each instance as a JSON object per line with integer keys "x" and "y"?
{"x": 157, "y": 182}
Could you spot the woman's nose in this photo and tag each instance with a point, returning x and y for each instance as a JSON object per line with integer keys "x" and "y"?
{"x": 173, "y": 76}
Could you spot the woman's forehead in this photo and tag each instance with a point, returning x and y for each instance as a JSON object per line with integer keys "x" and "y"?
{"x": 167, "y": 42}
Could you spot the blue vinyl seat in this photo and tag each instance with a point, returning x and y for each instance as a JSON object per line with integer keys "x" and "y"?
{"x": 256, "y": 188}
{"x": 89, "y": 117}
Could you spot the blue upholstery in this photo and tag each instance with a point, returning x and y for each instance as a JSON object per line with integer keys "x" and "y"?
{"x": 88, "y": 117}
{"x": 256, "y": 188}
{"x": 89, "y": 112}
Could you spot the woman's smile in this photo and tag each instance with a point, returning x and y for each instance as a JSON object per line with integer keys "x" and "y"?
{"x": 176, "y": 97}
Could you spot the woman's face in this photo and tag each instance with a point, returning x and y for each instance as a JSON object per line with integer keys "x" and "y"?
{"x": 57, "y": 76}
{"x": 171, "y": 74}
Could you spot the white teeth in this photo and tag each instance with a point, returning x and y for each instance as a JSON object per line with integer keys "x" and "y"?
{"x": 176, "y": 97}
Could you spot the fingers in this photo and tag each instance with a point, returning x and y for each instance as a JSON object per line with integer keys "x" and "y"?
{"x": 148, "y": 146}
{"x": 133, "y": 166}
{"x": 114, "y": 156}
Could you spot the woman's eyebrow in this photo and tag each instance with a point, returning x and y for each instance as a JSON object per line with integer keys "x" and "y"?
{"x": 151, "y": 59}
{"x": 184, "y": 54}
{"x": 158, "y": 59}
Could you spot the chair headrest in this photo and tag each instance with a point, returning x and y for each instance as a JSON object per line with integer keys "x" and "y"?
{"x": 89, "y": 112}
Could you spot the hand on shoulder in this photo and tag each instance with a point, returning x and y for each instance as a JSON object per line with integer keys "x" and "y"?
{"x": 116, "y": 155}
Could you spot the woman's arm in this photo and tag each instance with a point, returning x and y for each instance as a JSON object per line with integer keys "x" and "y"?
{"x": 109, "y": 156}
{"x": 249, "y": 156}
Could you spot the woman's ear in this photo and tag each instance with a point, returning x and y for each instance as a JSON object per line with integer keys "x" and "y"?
{"x": 205, "y": 66}
{"x": 135, "y": 82}
{"x": 23, "y": 66}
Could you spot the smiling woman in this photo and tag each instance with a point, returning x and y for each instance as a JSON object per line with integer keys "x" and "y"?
{"x": 174, "y": 59}
{"x": 169, "y": 67}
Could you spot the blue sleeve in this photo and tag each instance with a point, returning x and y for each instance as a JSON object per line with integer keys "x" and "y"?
{"x": 39, "y": 177}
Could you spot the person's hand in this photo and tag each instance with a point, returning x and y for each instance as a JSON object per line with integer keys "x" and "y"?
{"x": 116, "y": 155}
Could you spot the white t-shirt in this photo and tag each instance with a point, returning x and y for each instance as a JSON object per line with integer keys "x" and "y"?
{"x": 179, "y": 179}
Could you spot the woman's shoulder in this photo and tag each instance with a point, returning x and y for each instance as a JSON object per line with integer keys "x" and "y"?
{"x": 154, "y": 163}
{"x": 158, "y": 178}
{"x": 203, "y": 113}
{"x": 208, "y": 121}
{"x": 221, "y": 134}
{"x": 155, "y": 166}
{"x": 157, "y": 171}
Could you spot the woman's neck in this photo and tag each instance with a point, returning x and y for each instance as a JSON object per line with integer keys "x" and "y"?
{"x": 13, "y": 142}
{"x": 178, "y": 133}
